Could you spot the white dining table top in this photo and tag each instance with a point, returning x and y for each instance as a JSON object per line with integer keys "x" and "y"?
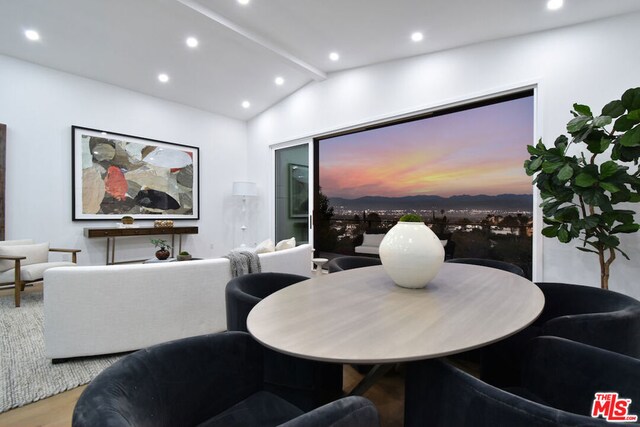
{"x": 361, "y": 316}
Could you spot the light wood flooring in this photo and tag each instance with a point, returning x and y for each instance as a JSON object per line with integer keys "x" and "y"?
{"x": 56, "y": 411}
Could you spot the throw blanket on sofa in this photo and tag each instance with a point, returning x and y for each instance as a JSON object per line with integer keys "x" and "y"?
{"x": 243, "y": 262}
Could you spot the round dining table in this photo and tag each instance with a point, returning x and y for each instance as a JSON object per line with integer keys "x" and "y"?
{"x": 360, "y": 316}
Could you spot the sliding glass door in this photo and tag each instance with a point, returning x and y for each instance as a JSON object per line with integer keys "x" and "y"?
{"x": 292, "y": 193}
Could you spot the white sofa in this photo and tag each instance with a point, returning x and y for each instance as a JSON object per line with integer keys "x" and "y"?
{"x": 370, "y": 244}
{"x": 91, "y": 310}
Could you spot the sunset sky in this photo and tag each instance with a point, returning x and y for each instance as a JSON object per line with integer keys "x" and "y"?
{"x": 478, "y": 151}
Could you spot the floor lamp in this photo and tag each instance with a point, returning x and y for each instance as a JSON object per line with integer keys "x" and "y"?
{"x": 244, "y": 190}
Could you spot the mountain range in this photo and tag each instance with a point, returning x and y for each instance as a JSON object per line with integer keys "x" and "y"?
{"x": 507, "y": 202}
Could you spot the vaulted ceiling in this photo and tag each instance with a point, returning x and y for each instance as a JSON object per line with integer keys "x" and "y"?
{"x": 243, "y": 47}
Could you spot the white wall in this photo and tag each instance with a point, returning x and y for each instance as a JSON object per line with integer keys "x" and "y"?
{"x": 39, "y": 105}
{"x": 591, "y": 63}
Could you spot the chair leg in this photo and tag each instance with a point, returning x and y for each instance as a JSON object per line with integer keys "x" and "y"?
{"x": 18, "y": 285}
{"x": 17, "y": 294}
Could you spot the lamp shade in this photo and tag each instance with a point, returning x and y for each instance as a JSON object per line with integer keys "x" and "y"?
{"x": 245, "y": 189}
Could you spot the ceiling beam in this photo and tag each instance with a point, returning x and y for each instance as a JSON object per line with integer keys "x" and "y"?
{"x": 309, "y": 69}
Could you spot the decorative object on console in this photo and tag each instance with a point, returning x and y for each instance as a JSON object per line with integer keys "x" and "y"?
{"x": 116, "y": 174}
{"x": 579, "y": 192}
{"x": 127, "y": 220}
{"x": 244, "y": 190}
{"x": 163, "y": 223}
{"x": 161, "y": 253}
{"x": 411, "y": 253}
{"x": 184, "y": 256}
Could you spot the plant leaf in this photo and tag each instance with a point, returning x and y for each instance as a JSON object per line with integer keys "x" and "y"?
{"x": 551, "y": 167}
{"x": 631, "y": 138}
{"x": 565, "y": 173}
{"x": 585, "y": 180}
{"x": 533, "y": 150}
{"x": 623, "y": 124}
{"x": 622, "y": 252}
{"x": 567, "y": 214}
{"x": 561, "y": 142}
{"x": 576, "y": 124}
{"x": 634, "y": 115}
{"x": 607, "y": 169}
{"x": 631, "y": 99}
{"x": 587, "y": 250}
{"x": 626, "y": 228}
{"x": 601, "y": 121}
{"x": 535, "y": 164}
{"x": 591, "y": 221}
{"x": 611, "y": 188}
{"x": 613, "y": 109}
{"x": 551, "y": 231}
{"x": 582, "y": 110}
{"x": 563, "y": 235}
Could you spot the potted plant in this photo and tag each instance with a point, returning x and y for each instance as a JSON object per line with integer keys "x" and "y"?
{"x": 411, "y": 253}
{"x": 579, "y": 191}
{"x": 184, "y": 256}
{"x": 161, "y": 253}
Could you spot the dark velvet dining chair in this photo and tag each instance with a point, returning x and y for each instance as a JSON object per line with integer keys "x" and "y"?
{"x": 206, "y": 381}
{"x": 500, "y": 265}
{"x": 559, "y": 381}
{"x": 590, "y": 315}
{"x": 307, "y": 383}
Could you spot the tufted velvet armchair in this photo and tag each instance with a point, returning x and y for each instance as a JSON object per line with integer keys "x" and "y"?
{"x": 207, "y": 381}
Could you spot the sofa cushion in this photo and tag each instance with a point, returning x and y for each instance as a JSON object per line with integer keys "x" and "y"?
{"x": 32, "y": 272}
{"x": 36, "y": 253}
{"x": 16, "y": 242}
{"x": 286, "y": 244}
{"x": 265, "y": 246}
{"x": 262, "y": 409}
{"x": 372, "y": 239}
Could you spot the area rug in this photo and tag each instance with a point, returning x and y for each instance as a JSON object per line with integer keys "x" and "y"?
{"x": 25, "y": 374}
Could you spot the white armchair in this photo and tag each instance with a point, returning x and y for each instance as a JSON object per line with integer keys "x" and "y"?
{"x": 22, "y": 262}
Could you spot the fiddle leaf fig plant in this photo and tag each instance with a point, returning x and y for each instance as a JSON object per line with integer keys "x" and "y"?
{"x": 585, "y": 176}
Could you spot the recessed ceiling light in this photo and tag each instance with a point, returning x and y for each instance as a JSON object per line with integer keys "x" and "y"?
{"x": 163, "y": 78}
{"x": 334, "y": 56}
{"x": 246, "y": 104}
{"x": 244, "y": 2}
{"x": 279, "y": 81}
{"x": 192, "y": 42}
{"x": 417, "y": 36}
{"x": 32, "y": 35}
{"x": 554, "y": 4}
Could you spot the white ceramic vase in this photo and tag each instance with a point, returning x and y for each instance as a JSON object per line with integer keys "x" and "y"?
{"x": 411, "y": 254}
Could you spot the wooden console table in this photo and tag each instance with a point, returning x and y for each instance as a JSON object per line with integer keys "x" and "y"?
{"x": 112, "y": 233}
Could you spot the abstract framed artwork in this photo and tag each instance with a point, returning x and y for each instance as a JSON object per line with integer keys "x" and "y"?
{"x": 116, "y": 174}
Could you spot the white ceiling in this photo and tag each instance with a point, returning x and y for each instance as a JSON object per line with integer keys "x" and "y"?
{"x": 243, "y": 48}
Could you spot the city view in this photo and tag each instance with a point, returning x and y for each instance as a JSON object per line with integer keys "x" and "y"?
{"x": 462, "y": 172}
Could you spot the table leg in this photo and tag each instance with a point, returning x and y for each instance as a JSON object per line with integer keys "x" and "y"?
{"x": 371, "y": 378}
{"x": 113, "y": 251}
{"x": 173, "y": 246}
